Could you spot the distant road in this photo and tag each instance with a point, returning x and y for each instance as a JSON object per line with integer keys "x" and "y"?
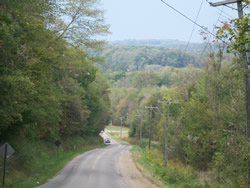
{"x": 93, "y": 169}
{"x": 111, "y": 131}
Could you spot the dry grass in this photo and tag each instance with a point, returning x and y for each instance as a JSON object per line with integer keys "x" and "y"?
{"x": 146, "y": 173}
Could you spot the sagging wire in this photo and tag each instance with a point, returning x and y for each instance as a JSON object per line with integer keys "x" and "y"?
{"x": 202, "y": 27}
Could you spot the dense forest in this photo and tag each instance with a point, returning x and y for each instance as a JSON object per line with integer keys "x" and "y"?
{"x": 194, "y": 47}
{"x": 50, "y": 88}
{"x": 137, "y": 58}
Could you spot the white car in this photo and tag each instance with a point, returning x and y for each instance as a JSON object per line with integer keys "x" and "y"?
{"x": 107, "y": 140}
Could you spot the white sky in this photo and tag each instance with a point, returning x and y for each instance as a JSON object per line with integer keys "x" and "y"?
{"x": 151, "y": 19}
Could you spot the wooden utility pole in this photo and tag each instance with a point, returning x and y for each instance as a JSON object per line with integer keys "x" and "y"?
{"x": 121, "y": 118}
{"x": 150, "y": 129}
{"x": 166, "y": 133}
{"x": 139, "y": 114}
{"x": 140, "y": 130}
{"x": 246, "y": 67}
{"x": 111, "y": 125}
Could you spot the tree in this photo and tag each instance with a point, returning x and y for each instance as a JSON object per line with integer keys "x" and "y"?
{"x": 145, "y": 79}
{"x": 44, "y": 80}
{"x": 78, "y": 22}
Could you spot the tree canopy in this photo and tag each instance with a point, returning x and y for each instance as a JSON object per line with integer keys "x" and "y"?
{"x": 49, "y": 85}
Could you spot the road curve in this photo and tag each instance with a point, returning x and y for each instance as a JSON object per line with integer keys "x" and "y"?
{"x": 93, "y": 169}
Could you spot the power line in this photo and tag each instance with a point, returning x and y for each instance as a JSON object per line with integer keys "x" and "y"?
{"x": 225, "y": 17}
{"x": 202, "y": 27}
{"x": 212, "y": 31}
{"x": 197, "y": 16}
{"x": 224, "y": 12}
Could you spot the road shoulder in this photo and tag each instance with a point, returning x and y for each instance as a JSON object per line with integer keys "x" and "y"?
{"x": 130, "y": 174}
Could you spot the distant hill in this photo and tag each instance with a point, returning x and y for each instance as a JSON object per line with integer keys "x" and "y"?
{"x": 138, "y": 58}
{"x": 197, "y": 47}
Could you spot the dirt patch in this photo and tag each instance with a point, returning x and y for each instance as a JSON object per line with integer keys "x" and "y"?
{"x": 130, "y": 173}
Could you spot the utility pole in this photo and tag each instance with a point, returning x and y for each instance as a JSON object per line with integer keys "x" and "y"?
{"x": 128, "y": 117}
{"x": 121, "y": 118}
{"x": 139, "y": 114}
{"x": 140, "y": 133}
{"x": 111, "y": 125}
{"x": 246, "y": 67}
{"x": 166, "y": 133}
{"x": 150, "y": 129}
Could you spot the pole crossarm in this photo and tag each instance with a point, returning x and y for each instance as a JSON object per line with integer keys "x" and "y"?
{"x": 224, "y": 3}
{"x": 150, "y": 107}
{"x": 167, "y": 102}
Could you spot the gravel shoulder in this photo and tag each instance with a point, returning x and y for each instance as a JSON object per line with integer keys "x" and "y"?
{"x": 130, "y": 174}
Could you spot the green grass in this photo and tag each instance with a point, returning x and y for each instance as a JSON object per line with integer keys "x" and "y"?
{"x": 117, "y": 138}
{"x": 37, "y": 161}
{"x": 116, "y": 128}
{"x": 175, "y": 176}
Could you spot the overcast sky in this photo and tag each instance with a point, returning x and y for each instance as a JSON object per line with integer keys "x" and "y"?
{"x": 151, "y": 19}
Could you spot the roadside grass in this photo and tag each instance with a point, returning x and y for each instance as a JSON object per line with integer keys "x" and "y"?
{"x": 117, "y": 138}
{"x": 116, "y": 128}
{"x": 176, "y": 175}
{"x": 151, "y": 164}
{"x": 34, "y": 163}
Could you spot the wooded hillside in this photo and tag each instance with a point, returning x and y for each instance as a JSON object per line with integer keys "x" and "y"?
{"x": 49, "y": 86}
{"x": 137, "y": 58}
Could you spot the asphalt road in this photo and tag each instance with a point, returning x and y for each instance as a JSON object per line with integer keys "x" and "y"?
{"x": 93, "y": 169}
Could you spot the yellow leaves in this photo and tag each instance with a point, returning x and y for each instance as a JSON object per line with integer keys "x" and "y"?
{"x": 226, "y": 26}
{"x": 219, "y": 32}
{"x": 165, "y": 177}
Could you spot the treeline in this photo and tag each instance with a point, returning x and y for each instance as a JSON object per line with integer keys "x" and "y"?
{"x": 206, "y": 125}
{"x": 195, "y": 47}
{"x": 50, "y": 88}
{"x": 138, "y": 58}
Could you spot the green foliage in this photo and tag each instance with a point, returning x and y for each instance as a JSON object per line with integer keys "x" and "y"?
{"x": 136, "y": 58}
{"x": 78, "y": 21}
{"x": 50, "y": 88}
{"x": 117, "y": 75}
{"x": 206, "y": 127}
{"x": 236, "y": 31}
{"x": 99, "y": 104}
{"x": 176, "y": 175}
{"x": 132, "y": 127}
{"x": 145, "y": 79}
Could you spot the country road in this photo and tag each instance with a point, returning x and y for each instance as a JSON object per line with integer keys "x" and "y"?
{"x": 93, "y": 169}
{"x": 100, "y": 168}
